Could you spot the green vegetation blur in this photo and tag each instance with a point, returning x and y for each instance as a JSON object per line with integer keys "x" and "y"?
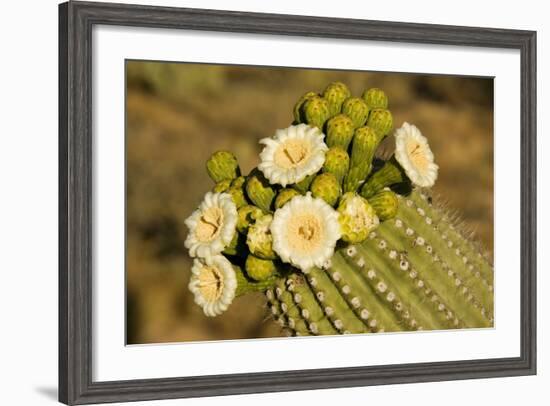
{"x": 178, "y": 114}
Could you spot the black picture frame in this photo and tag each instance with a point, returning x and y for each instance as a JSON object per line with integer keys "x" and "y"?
{"x": 76, "y": 20}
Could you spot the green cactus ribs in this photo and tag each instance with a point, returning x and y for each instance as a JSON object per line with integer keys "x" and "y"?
{"x": 404, "y": 277}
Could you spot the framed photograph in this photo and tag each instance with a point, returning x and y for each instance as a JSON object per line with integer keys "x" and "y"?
{"x": 259, "y": 202}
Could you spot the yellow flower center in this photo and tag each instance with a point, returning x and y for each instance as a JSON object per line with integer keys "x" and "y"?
{"x": 417, "y": 155}
{"x": 304, "y": 233}
{"x": 291, "y": 154}
{"x": 210, "y": 283}
{"x": 210, "y": 224}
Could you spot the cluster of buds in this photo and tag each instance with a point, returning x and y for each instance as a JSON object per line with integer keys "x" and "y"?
{"x": 318, "y": 185}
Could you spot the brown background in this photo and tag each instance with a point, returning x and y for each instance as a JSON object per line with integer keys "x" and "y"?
{"x": 178, "y": 114}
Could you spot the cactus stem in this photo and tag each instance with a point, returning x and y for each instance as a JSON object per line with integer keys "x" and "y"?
{"x": 387, "y": 296}
{"x": 273, "y": 304}
{"x": 275, "y": 307}
{"x": 405, "y": 276}
{"x": 469, "y": 254}
{"x": 330, "y": 299}
{"x": 318, "y": 323}
{"x": 355, "y": 293}
{"x": 291, "y": 310}
{"x": 442, "y": 287}
{"x": 444, "y": 248}
{"x": 405, "y": 284}
{"x": 415, "y": 288}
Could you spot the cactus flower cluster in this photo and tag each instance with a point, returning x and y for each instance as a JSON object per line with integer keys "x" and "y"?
{"x": 319, "y": 195}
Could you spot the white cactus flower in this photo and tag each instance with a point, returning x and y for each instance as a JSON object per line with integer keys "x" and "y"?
{"x": 305, "y": 232}
{"x": 212, "y": 226}
{"x": 413, "y": 153}
{"x": 214, "y": 283}
{"x": 292, "y": 154}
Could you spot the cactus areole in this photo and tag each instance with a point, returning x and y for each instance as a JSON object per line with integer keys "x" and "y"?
{"x": 323, "y": 228}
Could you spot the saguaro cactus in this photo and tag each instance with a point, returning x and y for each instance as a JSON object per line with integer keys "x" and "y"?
{"x": 415, "y": 272}
{"x": 330, "y": 236}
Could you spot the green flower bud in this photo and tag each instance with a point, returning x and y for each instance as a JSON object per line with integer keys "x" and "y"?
{"x": 259, "y": 269}
{"x": 303, "y": 185}
{"x": 237, "y": 192}
{"x": 315, "y": 111}
{"x": 222, "y": 186}
{"x": 357, "y": 110}
{"x": 381, "y": 120}
{"x": 259, "y": 239}
{"x": 245, "y": 284}
{"x": 238, "y": 182}
{"x": 237, "y": 246}
{"x": 390, "y": 174}
{"x": 375, "y": 98}
{"x": 364, "y": 144}
{"x": 222, "y": 165}
{"x": 284, "y": 196}
{"x": 357, "y": 218}
{"x": 356, "y": 176}
{"x": 335, "y": 94}
{"x": 299, "y": 104}
{"x": 339, "y": 131}
{"x": 247, "y": 215}
{"x": 385, "y": 204}
{"x": 325, "y": 186}
{"x": 337, "y": 163}
{"x": 259, "y": 190}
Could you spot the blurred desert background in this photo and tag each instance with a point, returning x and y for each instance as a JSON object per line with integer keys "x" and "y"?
{"x": 178, "y": 114}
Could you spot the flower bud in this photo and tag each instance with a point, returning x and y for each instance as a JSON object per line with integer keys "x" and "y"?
{"x": 303, "y": 185}
{"x": 299, "y": 104}
{"x": 247, "y": 215}
{"x": 259, "y": 190}
{"x": 222, "y": 165}
{"x": 315, "y": 111}
{"x": 237, "y": 192}
{"x": 326, "y": 187}
{"x": 259, "y": 239}
{"x": 284, "y": 196}
{"x": 335, "y": 94}
{"x": 357, "y": 110}
{"x": 357, "y": 218}
{"x": 364, "y": 144}
{"x": 337, "y": 163}
{"x": 381, "y": 120}
{"x": 245, "y": 284}
{"x": 238, "y": 182}
{"x": 390, "y": 174}
{"x": 259, "y": 269}
{"x": 356, "y": 176}
{"x": 375, "y": 98}
{"x": 222, "y": 186}
{"x": 339, "y": 131}
{"x": 385, "y": 204}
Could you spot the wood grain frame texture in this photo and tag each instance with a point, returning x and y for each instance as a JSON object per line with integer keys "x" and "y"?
{"x": 76, "y": 20}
